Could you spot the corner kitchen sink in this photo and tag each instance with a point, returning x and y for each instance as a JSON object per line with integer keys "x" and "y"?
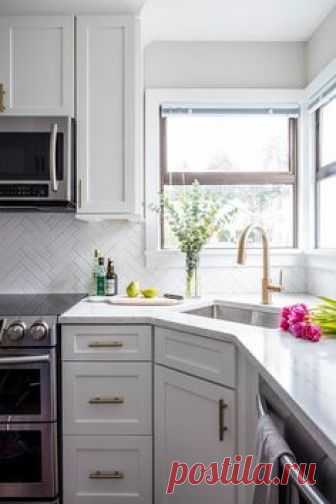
{"x": 249, "y": 316}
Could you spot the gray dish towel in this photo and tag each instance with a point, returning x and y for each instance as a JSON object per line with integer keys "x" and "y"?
{"x": 270, "y": 448}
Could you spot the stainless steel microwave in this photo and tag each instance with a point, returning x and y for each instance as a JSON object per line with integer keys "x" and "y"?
{"x": 37, "y": 163}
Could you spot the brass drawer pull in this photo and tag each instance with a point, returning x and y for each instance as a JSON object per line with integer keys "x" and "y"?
{"x": 103, "y": 344}
{"x": 107, "y": 400}
{"x": 2, "y": 94}
{"x": 222, "y": 426}
{"x": 104, "y": 475}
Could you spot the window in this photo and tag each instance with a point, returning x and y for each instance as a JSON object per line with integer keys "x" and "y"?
{"x": 247, "y": 155}
{"x": 326, "y": 174}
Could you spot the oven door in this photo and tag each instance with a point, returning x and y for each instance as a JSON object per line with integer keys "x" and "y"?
{"x": 27, "y": 385}
{"x": 28, "y": 461}
{"x": 36, "y": 160}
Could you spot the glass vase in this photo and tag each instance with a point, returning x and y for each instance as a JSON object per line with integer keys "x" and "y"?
{"x": 192, "y": 276}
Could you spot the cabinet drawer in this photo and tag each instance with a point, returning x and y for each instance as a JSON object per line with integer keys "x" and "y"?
{"x": 108, "y": 343}
{"x": 206, "y": 358}
{"x": 107, "y": 398}
{"x": 107, "y": 470}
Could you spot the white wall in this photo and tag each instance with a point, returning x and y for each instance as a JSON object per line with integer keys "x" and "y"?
{"x": 225, "y": 64}
{"x": 321, "y": 49}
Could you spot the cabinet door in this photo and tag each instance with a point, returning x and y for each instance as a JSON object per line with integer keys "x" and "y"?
{"x": 37, "y": 65}
{"x": 187, "y": 418}
{"x": 107, "y": 470}
{"x": 106, "y": 115}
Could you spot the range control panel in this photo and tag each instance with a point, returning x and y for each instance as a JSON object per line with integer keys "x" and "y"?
{"x": 27, "y": 331}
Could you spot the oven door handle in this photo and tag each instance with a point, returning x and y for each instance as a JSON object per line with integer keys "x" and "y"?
{"x": 52, "y": 157}
{"x": 26, "y": 359}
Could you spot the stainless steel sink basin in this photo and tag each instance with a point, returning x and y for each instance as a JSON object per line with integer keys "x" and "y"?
{"x": 248, "y": 316}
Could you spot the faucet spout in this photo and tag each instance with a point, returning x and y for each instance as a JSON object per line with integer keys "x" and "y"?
{"x": 267, "y": 287}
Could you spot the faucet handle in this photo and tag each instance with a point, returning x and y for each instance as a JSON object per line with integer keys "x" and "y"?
{"x": 281, "y": 279}
{"x": 279, "y": 287}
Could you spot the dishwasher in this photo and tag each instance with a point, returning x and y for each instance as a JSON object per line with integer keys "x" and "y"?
{"x": 305, "y": 449}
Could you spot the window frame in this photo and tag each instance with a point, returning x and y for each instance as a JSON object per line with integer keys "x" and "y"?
{"x": 322, "y": 172}
{"x": 155, "y": 98}
{"x": 235, "y": 178}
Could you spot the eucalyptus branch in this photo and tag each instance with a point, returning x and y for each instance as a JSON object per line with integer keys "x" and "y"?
{"x": 194, "y": 216}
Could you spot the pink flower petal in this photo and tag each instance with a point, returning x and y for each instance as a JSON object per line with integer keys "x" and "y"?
{"x": 284, "y": 324}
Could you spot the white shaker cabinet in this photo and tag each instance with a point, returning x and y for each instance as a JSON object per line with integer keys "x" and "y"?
{"x": 195, "y": 422}
{"x": 108, "y": 117}
{"x": 107, "y": 376}
{"x": 37, "y": 65}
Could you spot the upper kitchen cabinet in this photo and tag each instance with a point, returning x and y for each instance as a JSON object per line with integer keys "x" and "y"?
{"x": 37, "y": 65}
{"x": 109, "y": 117}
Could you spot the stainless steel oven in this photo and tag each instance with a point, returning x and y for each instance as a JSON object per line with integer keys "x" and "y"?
{"x": 30, "y": 405}
{"x": 28, "y": 460}
{"x": 27, "y": 385}
{"x": 36, "y": 162}
{"x": 28, "y": 408}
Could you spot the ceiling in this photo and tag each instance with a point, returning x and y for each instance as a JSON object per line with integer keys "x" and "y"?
{"x": 208, "y": 20}
{"x": 234, "y": 20}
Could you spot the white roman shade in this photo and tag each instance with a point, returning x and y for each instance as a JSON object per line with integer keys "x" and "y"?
{"x": 173, "y": 109}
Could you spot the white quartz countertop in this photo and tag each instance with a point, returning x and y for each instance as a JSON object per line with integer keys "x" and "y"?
{"x": 89, "y": 312}
{"x": 302, "y": 373}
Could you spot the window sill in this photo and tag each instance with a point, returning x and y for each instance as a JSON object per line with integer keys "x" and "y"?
{"x": 173, "y": 259}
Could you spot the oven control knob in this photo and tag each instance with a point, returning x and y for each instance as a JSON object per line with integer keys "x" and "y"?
{"x": 39, "y": 331}
{"x": 16, "y": 331}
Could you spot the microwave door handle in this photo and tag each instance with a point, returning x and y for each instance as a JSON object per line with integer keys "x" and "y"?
{"x": 26, "y": 359}
{"x": 2, "y": 329}
{"x": 52, "y": 157}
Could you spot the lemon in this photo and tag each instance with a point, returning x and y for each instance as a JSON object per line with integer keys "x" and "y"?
{"x": 150, "y": 293}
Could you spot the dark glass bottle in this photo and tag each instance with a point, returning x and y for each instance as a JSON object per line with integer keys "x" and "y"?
{"x": 111, "y": 280}
{"x": 100, "y": 277}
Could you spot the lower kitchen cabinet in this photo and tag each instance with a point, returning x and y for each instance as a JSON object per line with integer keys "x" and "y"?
{"x": 107, "y": 470}
{"x": 195, "y": 422}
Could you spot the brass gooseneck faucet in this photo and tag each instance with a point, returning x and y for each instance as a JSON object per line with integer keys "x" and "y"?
{"x": 266, "y": 286}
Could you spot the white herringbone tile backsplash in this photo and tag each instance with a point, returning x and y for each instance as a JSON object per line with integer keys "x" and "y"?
{"x": 53, "y": 253}
{"x": 322, "y": 282}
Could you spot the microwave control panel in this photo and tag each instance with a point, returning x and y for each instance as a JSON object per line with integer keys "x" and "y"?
{"x": 24, "y": 191}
